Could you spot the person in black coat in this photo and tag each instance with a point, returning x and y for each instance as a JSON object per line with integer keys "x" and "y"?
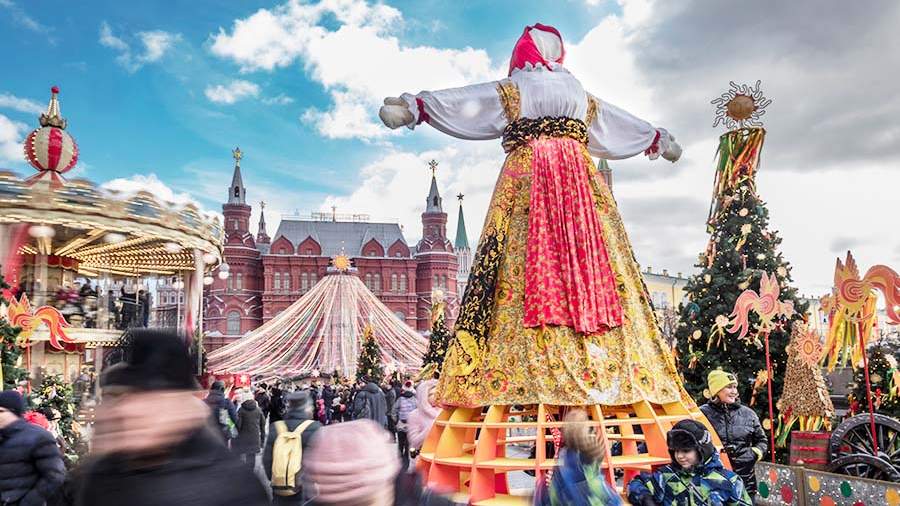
{"x": 738, "y": 426}
{"x": 251, "y": 425}
{"x": 276, "y": 405}
{"x": 370, "y": 403}
{"x": 154, "y": 445}
{"x": 299, "y": 410}
{"x": 328, "y": 395}
{"x": 222, "y": 410}
{"x": 31, "y": 466}
{"x": 263, "y": 400}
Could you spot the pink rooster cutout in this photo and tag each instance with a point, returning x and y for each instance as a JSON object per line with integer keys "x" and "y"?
{"x": 20, "y": 314}
{"x": 766, "y": 304}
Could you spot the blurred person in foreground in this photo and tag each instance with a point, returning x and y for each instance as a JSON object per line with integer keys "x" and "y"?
{"x": 152, "y": 442}
{"x": 356, "y": 464}
{"x": 421, "y": 419}
{"x": 31, "y": 465}
{"x": 285, "y": 448}
{"x": 695, "y": 476}
{"x": 579, "y": 480}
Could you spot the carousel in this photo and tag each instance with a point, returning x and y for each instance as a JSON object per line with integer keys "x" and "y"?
{"x": 82, "y": 262}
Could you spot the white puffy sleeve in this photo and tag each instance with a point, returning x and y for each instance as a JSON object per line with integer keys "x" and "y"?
{"x": 614, "y": 134}
{"x": 472, "y": 112}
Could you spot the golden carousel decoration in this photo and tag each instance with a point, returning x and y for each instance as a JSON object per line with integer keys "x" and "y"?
{"x": 55, "y": 231}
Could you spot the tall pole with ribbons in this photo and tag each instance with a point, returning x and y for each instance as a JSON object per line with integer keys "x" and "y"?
{"x": 768, "y": 307}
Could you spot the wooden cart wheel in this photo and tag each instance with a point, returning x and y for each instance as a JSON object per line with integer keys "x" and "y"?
{"x": 853, "y": 438}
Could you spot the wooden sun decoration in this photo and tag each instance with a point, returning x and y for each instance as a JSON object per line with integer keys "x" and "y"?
{"x": 341, "y": 262}
{"x": 741, "y": 106}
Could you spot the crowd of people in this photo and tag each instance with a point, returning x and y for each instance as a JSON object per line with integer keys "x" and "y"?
{"x": 156, "y": 441}
{"x": 126, "y": 306}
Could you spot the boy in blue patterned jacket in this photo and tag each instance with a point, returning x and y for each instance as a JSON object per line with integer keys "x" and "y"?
{"x": 695, "y": 477}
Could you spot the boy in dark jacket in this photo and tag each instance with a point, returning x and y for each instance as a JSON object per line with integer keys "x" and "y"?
{"x": 31, "y": 467}
{"x": 695, "y": 476}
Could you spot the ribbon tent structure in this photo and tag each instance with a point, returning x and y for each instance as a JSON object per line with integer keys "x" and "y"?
{"x": 322, "y": 331}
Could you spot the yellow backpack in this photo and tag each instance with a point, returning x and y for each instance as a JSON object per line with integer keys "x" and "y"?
{"x": 287, "y": 458}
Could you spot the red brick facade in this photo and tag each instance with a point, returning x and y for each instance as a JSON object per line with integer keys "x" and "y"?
{"x": 265, "y": 278}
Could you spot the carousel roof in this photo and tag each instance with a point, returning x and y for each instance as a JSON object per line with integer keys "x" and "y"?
{"x": 322, "y": 331}
{"x": 83, "y": 227}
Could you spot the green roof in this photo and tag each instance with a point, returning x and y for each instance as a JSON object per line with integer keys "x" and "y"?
{"x": 462, "y": 240}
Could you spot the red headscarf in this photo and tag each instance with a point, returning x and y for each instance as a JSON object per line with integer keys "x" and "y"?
{"x": 526, "y": 51}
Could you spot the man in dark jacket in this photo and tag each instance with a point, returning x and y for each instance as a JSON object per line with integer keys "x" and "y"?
{"x": 737, "y": 426}
{"x": 370, "y": 403}
{"x": 154, "y": 446}
{"x": 328, "y": 395}
{"x": 31, "y": 467}
{"x": 222, "y": 411}
{"x": 299, "y": 410}
{"x": 263, "y": 399}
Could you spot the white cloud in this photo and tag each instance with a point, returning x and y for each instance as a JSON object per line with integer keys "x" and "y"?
{"x": 378, "y": 65}
{"x": 148, "y": 183}
{"x": 15, "y": 103}
{"x": 12, "y": 135}
{"x": 280, "y": 99}
{"x": 22, "y": 18}
{"x": 154, "y": 45}
{"x": 466, "y": 168}
{"x": 232, "y": 92}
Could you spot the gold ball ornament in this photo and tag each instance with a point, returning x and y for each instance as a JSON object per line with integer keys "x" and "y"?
{"x": 740, "y": 107}
{"x": 781, "y": 271}
{"x": 744, "y": 211}
{"x": 767, "y": 424}
{"x": 697, "y": 334}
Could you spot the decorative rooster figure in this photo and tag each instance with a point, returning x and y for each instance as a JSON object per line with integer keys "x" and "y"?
{"x": 768, "y": 306}
{"x": 851, "y": 317}
{"x": 851, "y": 309}
{"x": 20, "y": 314}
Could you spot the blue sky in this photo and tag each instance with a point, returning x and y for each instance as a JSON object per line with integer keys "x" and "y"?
{"x": 157, "y": 93}
{"x": 132, "y": 117}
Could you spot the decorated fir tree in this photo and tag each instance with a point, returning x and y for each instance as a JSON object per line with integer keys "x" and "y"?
{"x": 440, "y": 335}
{"x": 369, "y": 363}
{"x": 11, "y": 370}
{"x": 884, "y": 377}
{"x": 56, "y": 400}
{"x": 740, "y": 250}
{"x": 805, "y": 400}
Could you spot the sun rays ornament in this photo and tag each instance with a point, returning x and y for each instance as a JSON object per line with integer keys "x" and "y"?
{"x": 741, "y": 106}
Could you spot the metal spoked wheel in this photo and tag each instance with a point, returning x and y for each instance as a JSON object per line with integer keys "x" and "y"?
{"x": 852, "y": 452}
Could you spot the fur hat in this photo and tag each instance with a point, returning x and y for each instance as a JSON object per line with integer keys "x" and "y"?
{"x": 690, "y": 435}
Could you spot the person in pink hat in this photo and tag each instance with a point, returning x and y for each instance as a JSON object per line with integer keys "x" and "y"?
{"x": 356, "y": 464}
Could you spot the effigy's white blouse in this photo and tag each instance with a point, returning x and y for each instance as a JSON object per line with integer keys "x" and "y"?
{"x": 475, "y": 112}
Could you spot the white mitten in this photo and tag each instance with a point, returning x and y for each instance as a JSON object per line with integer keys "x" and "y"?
{"x": 673, "y": 151}
{"x": 394, "y": 113}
